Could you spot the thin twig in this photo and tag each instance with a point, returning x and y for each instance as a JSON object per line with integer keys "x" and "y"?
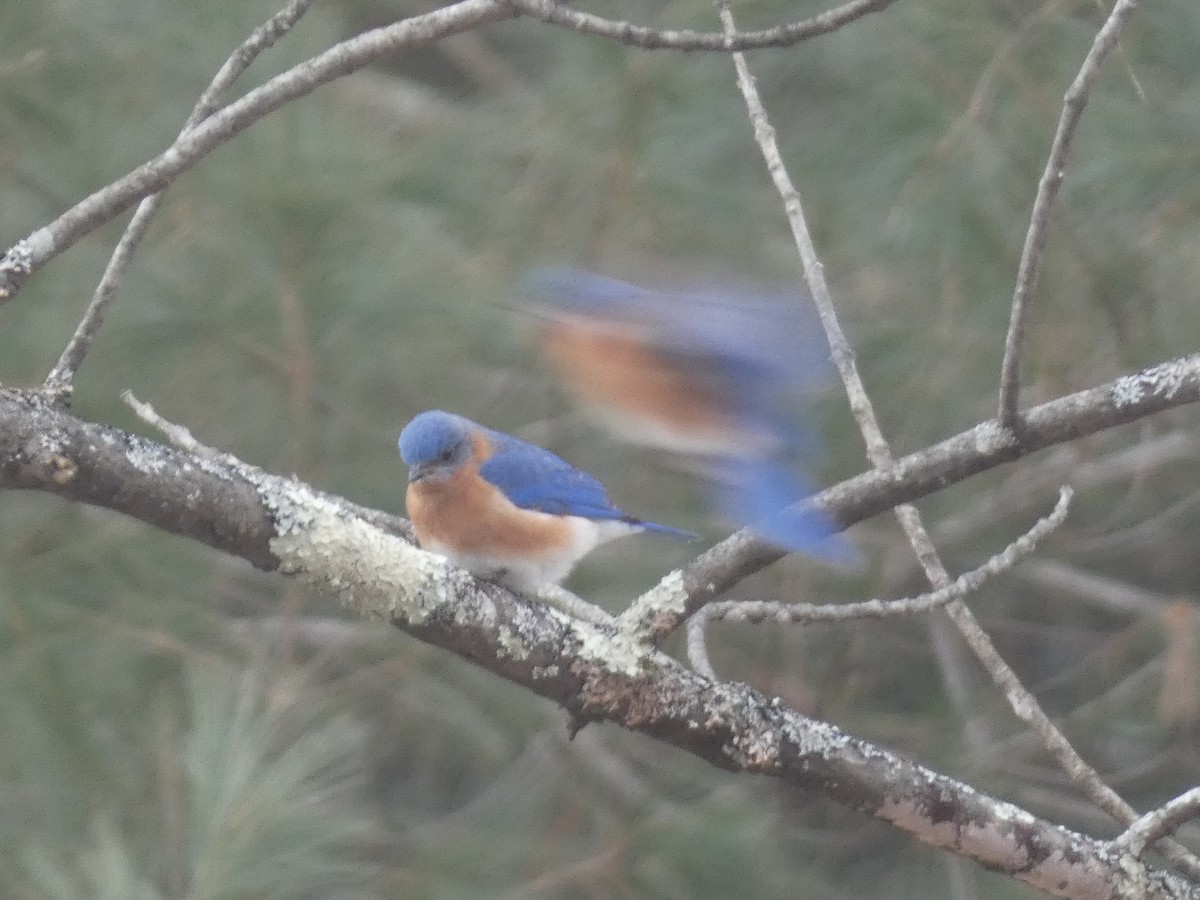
{"x": 1022, "y": 702}
{"x": 34, "y": 251}
{"x": 178, "y": 435}
{"x": 1159, "y": 823}
{"x": 573, "y": 605}
{"x": 697, "y": 647}
{"x": 687, "y": 40}
{"x": 266, "y": 34}
{"x": 963, "y": 586}
{"x": 1035, "y": 238}
{"x": 325, "y": 632}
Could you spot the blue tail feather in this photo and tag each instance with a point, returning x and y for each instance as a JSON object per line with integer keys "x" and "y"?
{"x": 678, "y": 533}
{"x": 768, "y": 498}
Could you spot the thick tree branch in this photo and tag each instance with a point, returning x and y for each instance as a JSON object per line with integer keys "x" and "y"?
{"x": 595, "y": 672}
{"x": 44, "y": 448}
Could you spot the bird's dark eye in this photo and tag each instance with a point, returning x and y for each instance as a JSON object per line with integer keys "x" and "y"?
{"x": 446, "y": 455}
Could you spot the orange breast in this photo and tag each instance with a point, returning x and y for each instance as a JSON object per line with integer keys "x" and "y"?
{"x": 612, "y": 367}
{"x": 465, "y": 514}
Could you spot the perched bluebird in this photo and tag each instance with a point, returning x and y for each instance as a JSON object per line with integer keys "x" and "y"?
{"x": 504, "y": 509}
{"x": 710, "y": 375}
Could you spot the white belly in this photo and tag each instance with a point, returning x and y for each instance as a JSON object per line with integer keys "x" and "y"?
{"x": 526, "y": 574}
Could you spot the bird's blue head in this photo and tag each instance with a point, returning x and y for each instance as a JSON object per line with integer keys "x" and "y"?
{"x": 434, "y": 444}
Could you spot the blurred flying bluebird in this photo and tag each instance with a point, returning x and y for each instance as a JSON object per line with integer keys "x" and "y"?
{"x": 503, "y": 509}
{"x": 709, "y": 375}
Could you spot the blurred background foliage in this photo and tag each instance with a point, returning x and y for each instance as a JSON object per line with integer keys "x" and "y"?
{"x": 173, "y": 724}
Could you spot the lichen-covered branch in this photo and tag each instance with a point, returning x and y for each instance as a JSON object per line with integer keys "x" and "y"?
{"x": 596, "y": 672}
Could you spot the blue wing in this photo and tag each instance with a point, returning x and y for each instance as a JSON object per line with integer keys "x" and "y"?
{"x": 534, "y": 478}
{"x": 751, "y": 337}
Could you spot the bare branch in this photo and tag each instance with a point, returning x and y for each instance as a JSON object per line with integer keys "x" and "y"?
{"x": 687, "y": 40}
{"x": 1035, "y": 238}
{"x": 266, "y": 34}
{"x": 31, "y": 253}
{"x": 573, "y": 605}
{"x": 178, "y": 435}
{"x": 1159, "y": 823}
{"x": 44, "y": 448}
{"x": 1020, "y": 699}
{"x": 963, "y": 586}
{"x": 59, "y": 378}
{"x": 595, "y": 672}
{"x": 1167, "y": 385}
{"x": 843, "y": 356}
{"x": 697, "y": 647}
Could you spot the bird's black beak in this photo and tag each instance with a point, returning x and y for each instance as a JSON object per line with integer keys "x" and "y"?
{"x": 416, "y": 473}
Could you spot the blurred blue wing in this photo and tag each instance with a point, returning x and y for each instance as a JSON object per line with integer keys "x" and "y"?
{"x": 768, "y": 498}
{"x": 753, "y": 336}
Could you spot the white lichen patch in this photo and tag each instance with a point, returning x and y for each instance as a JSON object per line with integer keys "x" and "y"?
{"x": 989, "y": 438}
{"x": 19, "y": 258}
{"x": 1135, "y": 885}
{"x": 146, "y": 457}
{"x": 1007, "y": 812}
{"x": 760, "y": 748}
{"x": 48, "y": 444}
{"x": 619, "y": 652}
{"x": 368, "y": 570}
{"x": 812, "y": 736}
{"x": 512, "y": 643}
{"x": 1164, "y": 381}
{"x": 1127, "y": 391}
{"x": 669, "y": 596}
